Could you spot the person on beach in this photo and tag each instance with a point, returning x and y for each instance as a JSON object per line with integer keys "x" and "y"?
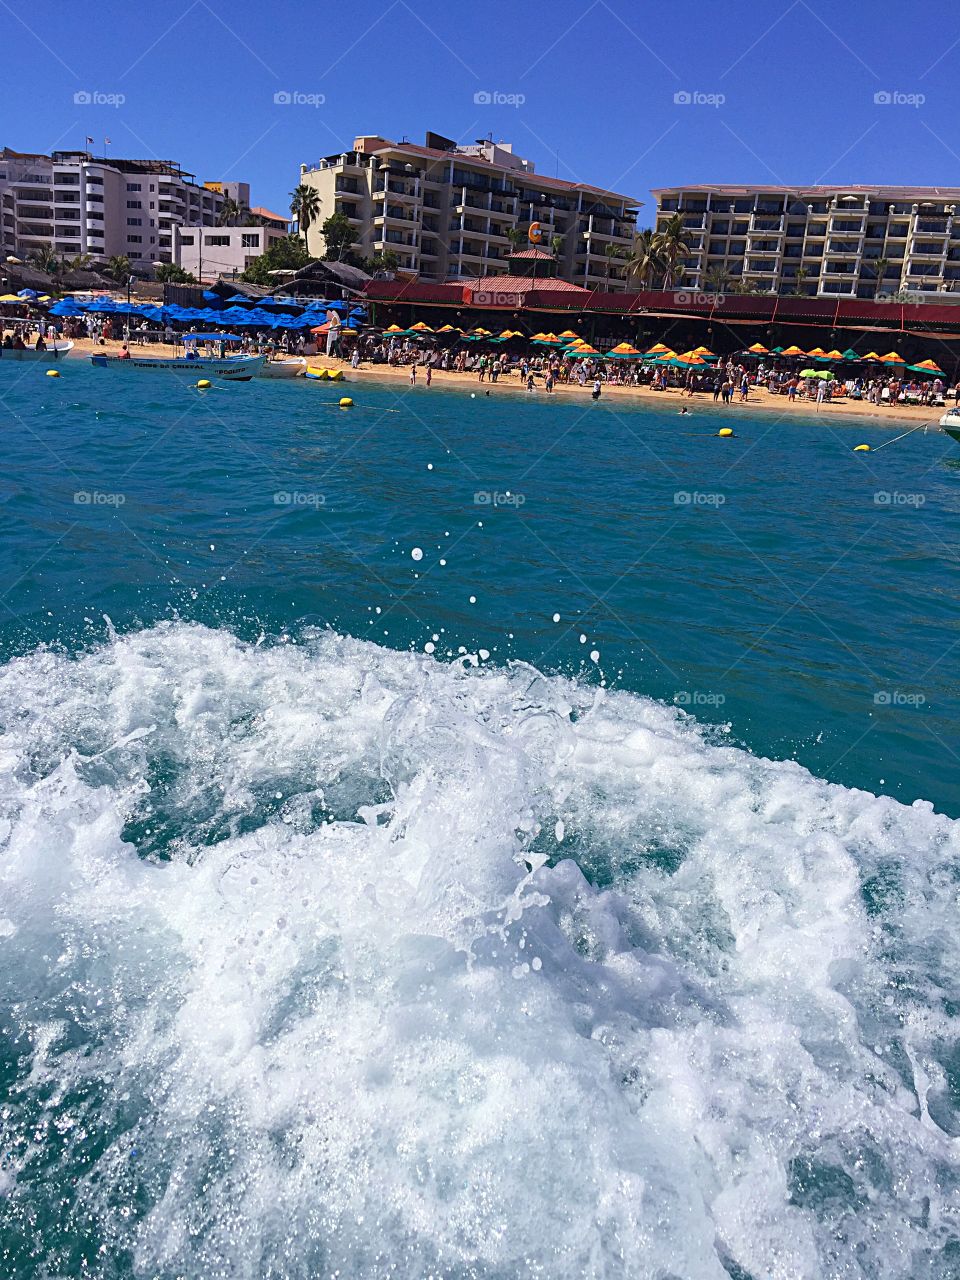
{"x": 413, "y": 374}
{"x": 428, "y": 375}
{"x": 595, "y": 393}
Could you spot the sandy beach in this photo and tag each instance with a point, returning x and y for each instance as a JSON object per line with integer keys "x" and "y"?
{"x": 760, "y": 399}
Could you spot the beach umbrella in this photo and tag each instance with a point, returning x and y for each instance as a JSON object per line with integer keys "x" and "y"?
{"x": 835, "y": 354}
{"x": 793, "y": 351}
{"x": 892, "y": 358}
{"x": 449, "y": 328}
{"x": 481, "y": 333}
{"x": 420, "y": 327}
{"x": 776, "y": 351}
{"x": 568, "y": 333}
{"x": 929, "y": 366}
{"x": 871, "y": 355}
{"x": 705, "y": 352}
{"x": 394, "y": 328}
{"x": 758, "y": 349}
{"x": 585, "y": 350}
{"x": 624, "y": 351}
{"x": 923, "y": 368}
{"x": 815, "y": 373}
{"x": 816, "y": 351}
{"x": 658, "y": 349}
{"x": 850, "y": 354}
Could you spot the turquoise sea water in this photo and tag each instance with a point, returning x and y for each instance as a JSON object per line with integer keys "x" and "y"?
{"x": 488, "y": 836}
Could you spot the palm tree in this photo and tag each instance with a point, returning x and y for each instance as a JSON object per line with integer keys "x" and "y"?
{"x": 517, "y": 237}
{"x": 82, "y": 262}
{"x": 802, "y": 273}
{"x": 718, "y": 279}
{"x": 305, "y": 207}
{"x": 118, "y": 269}
{"x": 46, "y": 260}
{"x": 881, "y": 267}
{"x": 613, "y": 253}
{"x": 556, "y": 245}
{"x": 672, "y": 247}
{"x": 229, "y": 212}
{"x": 643, "y": 259}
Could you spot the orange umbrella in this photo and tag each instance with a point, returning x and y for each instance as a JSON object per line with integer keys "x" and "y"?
{"x": 793, "y": 351}
{"x": 624, "y": 349}
{"x": 585, "y": 350}
{"x": 892, "y": 358}
{"x": 758, "y": 349}
{"x": 448, "y": 328}
{"x": 394, "y": 328}
{"x": 420, "y": 327}
{"x": 702, "y": 351}
{"x": 871, "y": 355}
{"x": 658, "y": 350}
{"x": 817, "y": 351}
{"x": 568, "y": 333}
{"x": 931, "y": 365}
{"x": 481, "y": 333}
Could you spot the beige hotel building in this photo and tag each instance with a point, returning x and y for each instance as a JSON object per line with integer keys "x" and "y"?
{"x": 820, "y": 240}
{"x": 445, "y": 209}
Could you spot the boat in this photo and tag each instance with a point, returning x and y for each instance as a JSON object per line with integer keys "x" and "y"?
{"x": 230, "y": 368}
{"x": 52, "y": 351}
{"x": 951, "y": 422}
{"x": 282, "y": 368}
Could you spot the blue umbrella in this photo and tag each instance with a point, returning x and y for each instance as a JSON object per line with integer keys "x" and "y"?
{"x": 239, "y": 297}
{"x": 210, "y": 296}
{"x": 27, "y": 293}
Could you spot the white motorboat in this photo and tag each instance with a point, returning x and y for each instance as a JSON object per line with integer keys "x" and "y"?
{"x": 231, "y": 368}
{"x": 52, "y": 351}
{"x": 283, "y": 368}
{"x": 951, "y": 422}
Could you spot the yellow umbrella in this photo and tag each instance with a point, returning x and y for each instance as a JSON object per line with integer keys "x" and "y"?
{"x": 835, "y": 354}
{"x": 420, "y": 327}
{"x": 892, "y": 358}
{"x": 658, "y": 350}
{"x": 817, "y": 351}
{"x": 585, "y": 350}
{"x": 702, "y": 351}
{"x": 12, "y": 297}
{"x": 794, "y": 351}
{"x": 394, "y": 328}
{"x": 931, "y": 365}
{"x": 448, "y": 328}
{"x": 481, "y": 333}
{"x": 871, "y": 355}
{"x": 759, "y": 349}
{"x": 568, "y": 333}
{"x": 624, "y": 349}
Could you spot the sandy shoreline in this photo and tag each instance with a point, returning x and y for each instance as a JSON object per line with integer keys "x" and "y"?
{"x": 760, "y": 400}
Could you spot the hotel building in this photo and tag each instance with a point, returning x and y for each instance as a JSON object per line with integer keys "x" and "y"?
{"x": 104, "y": 208}
{"x": 445, "y": 210}
{"x": 209, "y": 252}
{"x": 853, "y": 242}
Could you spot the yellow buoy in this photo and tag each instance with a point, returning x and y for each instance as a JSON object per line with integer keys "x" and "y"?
{"x": 346, "y": 402}
{"x": 861, "y": 448}
{"x": 53, "y": 373}
{"x": 203, "y": 384}
{"x": 725, "y": 431}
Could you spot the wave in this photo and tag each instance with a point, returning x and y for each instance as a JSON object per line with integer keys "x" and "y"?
{"x": 320, "y": 958}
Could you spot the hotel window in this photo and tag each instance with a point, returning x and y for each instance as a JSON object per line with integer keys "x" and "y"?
{"x": 216, "y": 241}
{"x": 135, "y": 239}
{"x": 186, "y": 239}
{"x": 134, "y": 204}
{"x": 738, "y": 246}
{"x": 740, "y": 228}
{"x": 133, "y": 186}
{"x": 134, "y": 222}
{"x": 250, "y": 241}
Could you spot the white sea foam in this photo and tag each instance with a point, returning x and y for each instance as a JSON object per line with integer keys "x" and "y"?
{"x": 300, "y": 980}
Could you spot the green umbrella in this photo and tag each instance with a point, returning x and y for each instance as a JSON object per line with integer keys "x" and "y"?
{"x": 815, "y": 373}
{"x": 850, "y": 354}
{"x": 775, "y": 351}
{"x": 931, "y": 373}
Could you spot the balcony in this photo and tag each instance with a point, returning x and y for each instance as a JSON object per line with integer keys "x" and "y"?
{"x": 408, "y": 194}
{"x": 766, "y": 224}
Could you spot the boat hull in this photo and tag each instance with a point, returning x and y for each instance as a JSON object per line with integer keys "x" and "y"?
{"x": 54, "y": 351}
{"x": 951, "y": 423}
{"x": 236, "y": 369}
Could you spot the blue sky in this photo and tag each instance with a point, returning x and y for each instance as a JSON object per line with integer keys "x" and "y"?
{"x": 779, "y": 92}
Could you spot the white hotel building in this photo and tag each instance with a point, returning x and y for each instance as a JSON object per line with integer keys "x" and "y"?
{"x": 820, "y": 240}
{"x": 106, "y": 208}
{"x": 445, "y": 209}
